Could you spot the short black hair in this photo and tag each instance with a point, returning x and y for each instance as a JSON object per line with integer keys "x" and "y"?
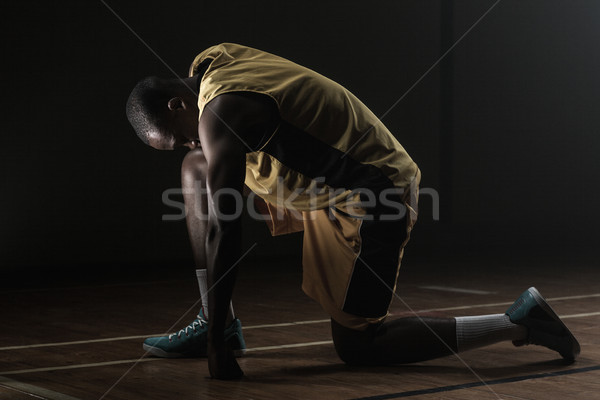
{"x": 146, "y": 104}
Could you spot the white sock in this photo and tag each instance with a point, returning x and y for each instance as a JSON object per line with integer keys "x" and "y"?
{"x": 203, "y": 285}
{"x": 483, "y": 330}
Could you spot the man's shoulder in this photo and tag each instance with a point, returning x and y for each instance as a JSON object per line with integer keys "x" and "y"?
{"x": 246, "y": 106}
{"x": 247, "y": 115}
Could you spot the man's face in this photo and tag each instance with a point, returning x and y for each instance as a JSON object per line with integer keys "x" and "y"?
{"x": 161, "y": 140}
{"x": 180, "y": 130}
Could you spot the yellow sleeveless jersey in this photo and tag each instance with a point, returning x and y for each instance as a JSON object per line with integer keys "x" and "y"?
{"x": 338, "y": 147}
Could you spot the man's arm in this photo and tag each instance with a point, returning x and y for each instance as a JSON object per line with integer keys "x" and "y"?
{"x": 223, "y": 122}
{"x": 193, "y": 183}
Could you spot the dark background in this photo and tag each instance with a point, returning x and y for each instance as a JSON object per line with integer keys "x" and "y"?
{"x": 515, "y": 164}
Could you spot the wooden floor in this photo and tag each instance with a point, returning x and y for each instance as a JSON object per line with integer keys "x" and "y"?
{"x": 83, "y": 340}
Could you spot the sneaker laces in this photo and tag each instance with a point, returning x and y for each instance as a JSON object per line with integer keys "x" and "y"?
{"x": 198, "y": 322}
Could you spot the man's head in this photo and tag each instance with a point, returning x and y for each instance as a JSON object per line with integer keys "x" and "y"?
{"x": 164, "y": 113}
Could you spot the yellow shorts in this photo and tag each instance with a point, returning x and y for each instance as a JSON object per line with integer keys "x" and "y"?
{"x": 351, "y": 263}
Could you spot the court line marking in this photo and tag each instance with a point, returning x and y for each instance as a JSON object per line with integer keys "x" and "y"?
{"x": 563, "y": 298}
{"x": 108, "y": 363}
{"x": 255, "y": 349}
{"x": 118, "y": 338}
{"x": 76, "y": 366}
{"x": 479, "y": 384}
{"x": 12, "y": 389}
{"x": 315, "y": 321}
{"x": 290, "y": 346}
{"x": 590, "y": 314}
{"x": 34, "y": 391}
{"x": 318, "y": 321}
{"x": 456, "y": 290}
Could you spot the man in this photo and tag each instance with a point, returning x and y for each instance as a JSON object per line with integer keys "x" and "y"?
{"x": 322, "y": 163}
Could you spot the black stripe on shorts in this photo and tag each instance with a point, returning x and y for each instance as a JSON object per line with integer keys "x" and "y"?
{"x": 373, "y": 279}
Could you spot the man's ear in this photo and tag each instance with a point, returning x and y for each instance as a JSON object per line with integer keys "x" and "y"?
{"x": 175, "y": 103}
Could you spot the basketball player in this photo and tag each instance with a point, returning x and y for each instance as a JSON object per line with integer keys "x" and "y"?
{"x": 322, "y": 162}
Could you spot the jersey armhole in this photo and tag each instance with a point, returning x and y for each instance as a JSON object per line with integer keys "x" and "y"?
{"x": 270, "y": 127}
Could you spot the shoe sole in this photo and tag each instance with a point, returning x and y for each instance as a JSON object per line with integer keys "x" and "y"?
{"x": 575, "y": 348}
{"x": 158, "y": 352}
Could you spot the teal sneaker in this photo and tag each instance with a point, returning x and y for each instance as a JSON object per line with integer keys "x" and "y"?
{"x": 544, "y": 327}
{"x": 192, "y": 340}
